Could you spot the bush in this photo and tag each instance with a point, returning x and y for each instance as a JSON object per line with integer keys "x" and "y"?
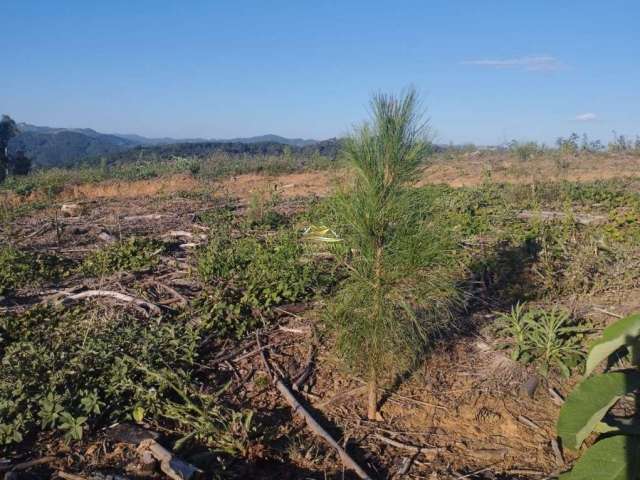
{"x": 132, "y": 255}
{"x": 247, "y": 275}
{"x": 61, "y": 372}
{"x": 19, "y": 269}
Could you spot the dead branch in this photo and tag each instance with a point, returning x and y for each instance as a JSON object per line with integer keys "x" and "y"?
{"x": 151, "y": 216}
{"x": 556, "y": 397}
{"x": 26, "y": 465}
{"x": 529, "y": 423}
{"x": 46, "y": 227}
{"x": 607, "y": 312}
{"x": 409, "y": 448}
{"x": 301, "y": 331}
{"x": 311, "y": 422}
{"x": 306, "y": 371}
{"x": 342, "y": 395}
{"x": 117, "y": 295}
{"x": 557, "y": 452}
{"x": 172, "y": 466}
{"x": 69, "y": 476}
{"x": 179, "y": 297}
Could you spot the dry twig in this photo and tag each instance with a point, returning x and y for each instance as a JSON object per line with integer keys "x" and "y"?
{"x": 311, "y": 422}
{"x": 117, "y": 295}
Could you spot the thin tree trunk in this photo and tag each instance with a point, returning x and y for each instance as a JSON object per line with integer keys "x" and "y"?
{"x": 372, "y": 405}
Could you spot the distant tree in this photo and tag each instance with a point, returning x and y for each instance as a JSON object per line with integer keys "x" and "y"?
{"x": 8, "y": 130}
{"x": 523, "y": 150}
{"x": 20, "y": 164}
{"x": 568, "y": 146}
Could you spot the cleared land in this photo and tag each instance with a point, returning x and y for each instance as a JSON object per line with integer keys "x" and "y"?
{"x": 221, "y": 259}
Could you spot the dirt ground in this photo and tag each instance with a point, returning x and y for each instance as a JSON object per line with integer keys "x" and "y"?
{"x": 464, "y": 170}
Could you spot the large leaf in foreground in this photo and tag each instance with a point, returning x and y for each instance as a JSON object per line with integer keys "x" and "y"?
{"x": 623, "y": 332}
{"x": 590, "y": 401}
{"x": 612, "y": 458}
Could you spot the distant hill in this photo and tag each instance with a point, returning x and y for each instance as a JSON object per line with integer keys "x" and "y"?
{"x": 326, "y": 148}
{"x": 53, "y": 147}
{"x": 296, "y": 142}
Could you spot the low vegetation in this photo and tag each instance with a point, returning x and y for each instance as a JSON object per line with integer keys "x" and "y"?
{"x": 130, "y": 255}
{"x": 384, "y": 307}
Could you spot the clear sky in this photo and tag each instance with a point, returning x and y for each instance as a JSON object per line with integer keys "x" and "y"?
{"x": 489, "y": 71}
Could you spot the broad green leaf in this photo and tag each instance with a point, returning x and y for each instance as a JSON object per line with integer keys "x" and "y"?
{"x": 612, "y": 458}
{"x": 623, "y": 332}
{"x": 588, "y": 403}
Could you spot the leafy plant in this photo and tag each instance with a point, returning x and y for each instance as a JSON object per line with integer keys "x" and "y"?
{"x": 248, "y": 276}
{"x": 261, "y": 209}
{"x": 133, "y": 254}
{"x": 588, "y": 409}
{"x": 19, "y": 268}
{"x": 72, "y": 426}
{"x": 392, "y": 298}
{"x": 59, "y": 371}
{"x": 550, "y": 339}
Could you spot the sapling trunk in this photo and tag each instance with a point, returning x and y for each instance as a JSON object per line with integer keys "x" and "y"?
{"x": 372, "y": 402}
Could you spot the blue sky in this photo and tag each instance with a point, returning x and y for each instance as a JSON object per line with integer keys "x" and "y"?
{"x": 488, "y": 71}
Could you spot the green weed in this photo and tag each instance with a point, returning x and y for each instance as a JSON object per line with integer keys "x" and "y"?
{"x": 247, "y": 276}
{"x": 132, "y": 255}
{"x": 550, "y": 339}
{"x": 60, "y": 372}
{"x": 19, "y": 268}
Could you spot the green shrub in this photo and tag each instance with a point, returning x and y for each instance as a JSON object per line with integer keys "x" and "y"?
{"x": 248, "y": 275}
{"x": 132, "y": 255}
{"x": 19, "y": 268}
{"x": 61, "y": 371}
{"x": 524, "y": 151}
{"x": 261, "y": 210}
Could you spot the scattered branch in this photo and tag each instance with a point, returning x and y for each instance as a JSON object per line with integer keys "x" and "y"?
{"x": 311, "y": 422}
{"x": 405, "y": 446}
{"x": 172, "y": 466}
{"x": 583, "y": 219}
{"x": 117, "y": 295}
